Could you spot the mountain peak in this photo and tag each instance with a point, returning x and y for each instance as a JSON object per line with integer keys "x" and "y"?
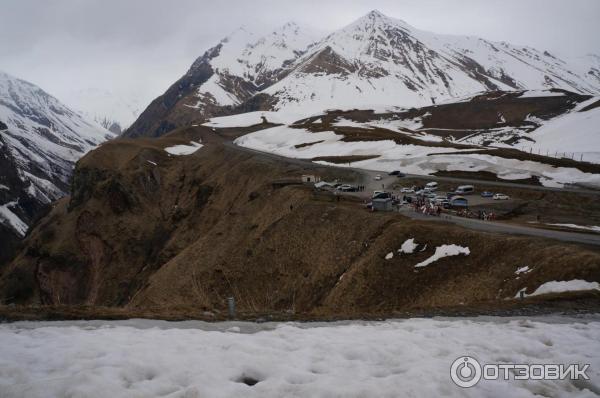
{"x": 376, "y": 18}
{"x": 373, "y": 14}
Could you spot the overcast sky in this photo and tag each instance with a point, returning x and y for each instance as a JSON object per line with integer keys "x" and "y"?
{"x": 137, "y": 48}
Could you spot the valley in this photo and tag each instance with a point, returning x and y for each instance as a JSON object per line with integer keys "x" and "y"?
{"x": 138, "y": 218}
{"x": 340, "y": 206}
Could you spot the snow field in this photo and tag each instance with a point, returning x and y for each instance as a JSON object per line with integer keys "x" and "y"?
{"x": 411, "y": 159}
{"x": 377, "y": 359}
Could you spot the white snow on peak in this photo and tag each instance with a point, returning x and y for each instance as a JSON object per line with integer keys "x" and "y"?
{"x": 98, "y": 104}
{"x": 244, "y": 55}
{"x": 382, "y": 60}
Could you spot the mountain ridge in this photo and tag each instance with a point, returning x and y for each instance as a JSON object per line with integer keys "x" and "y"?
{"x": 374, "y": 60}
{"x": 40, "y": 141}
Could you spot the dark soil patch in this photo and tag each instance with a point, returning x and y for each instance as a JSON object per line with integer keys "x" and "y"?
{"x": 307, "y": 144}
{"x": 344, "y": 159}
{"x": 485, "y": 175}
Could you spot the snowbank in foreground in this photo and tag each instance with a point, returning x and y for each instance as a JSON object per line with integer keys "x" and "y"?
{"x": 380, "y": 359}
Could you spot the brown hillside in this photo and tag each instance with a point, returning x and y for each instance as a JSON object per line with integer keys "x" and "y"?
{"x": 193, "y": 230}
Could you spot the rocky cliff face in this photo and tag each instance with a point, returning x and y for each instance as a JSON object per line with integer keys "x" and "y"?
{"x": 376, "y": 60}
{"x": 40, "y": 140}
{"x": 143, "y": 229}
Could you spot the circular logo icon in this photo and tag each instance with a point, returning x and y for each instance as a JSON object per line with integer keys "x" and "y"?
{"x": 465, "y": 372}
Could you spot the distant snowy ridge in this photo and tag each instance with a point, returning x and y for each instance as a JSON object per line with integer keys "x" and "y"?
{"x": 106, "y": 107}
{"x": 38, "y": 148}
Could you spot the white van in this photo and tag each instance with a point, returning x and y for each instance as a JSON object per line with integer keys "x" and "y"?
{"x": 465, "y": 189}
{"x": 431, "y": 186}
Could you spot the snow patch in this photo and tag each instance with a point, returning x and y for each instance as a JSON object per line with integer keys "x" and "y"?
{"x": 563, "y": 286}
{"x": 523, "y": 270}
{"x": 593, "y": 228}
{"x": 541, "y": 93}
{"x": 184, "y": 149}
{"x": 252, "y": 118}
{"x": 408, "y": 247}
{"x": 444, "y": 251}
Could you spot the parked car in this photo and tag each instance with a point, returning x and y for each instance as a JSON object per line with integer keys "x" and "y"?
{"x": 440, "y": 201}
{"x": 430, "y": 195}
{"x": 487, "y": 194}
{"x": 459, "y": 201}
{"x": 450, "y": 195}
{"x": 465, "y": 189}
{"x": 347, "y": 188}
{"x": 407, "y": 190}
{"x": 432, "y": 185}
{"x": 382, "y": 195}
{"x": 394, "y": 173}
{"x": 501, "y": 196}
{"x": 378, "y": 177}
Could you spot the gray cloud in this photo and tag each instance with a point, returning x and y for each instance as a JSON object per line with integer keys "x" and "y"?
{"x": 138, "y": 47}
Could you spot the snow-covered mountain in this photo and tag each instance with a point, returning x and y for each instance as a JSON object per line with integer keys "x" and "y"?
{"x": 376, "y": 60}
{"x": 40, "y": 140}
{"x": 231, "y": 74}
{"x": 381, "y": 60}
{"x": 113, "y": 111}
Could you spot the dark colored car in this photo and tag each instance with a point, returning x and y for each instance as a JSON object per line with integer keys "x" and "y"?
{"x": 450, "y": 195}
{"x": 487, "y": 194}
{"x": 382, "y": 195}
{"x": 397, "y": 173}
